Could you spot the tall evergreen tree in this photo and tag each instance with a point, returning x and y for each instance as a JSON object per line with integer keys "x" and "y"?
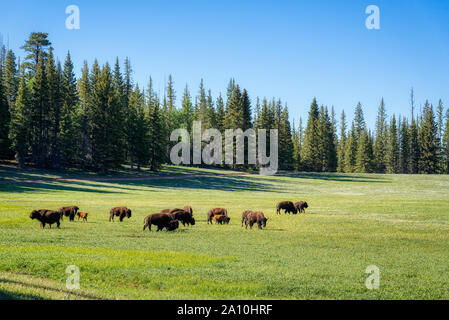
{"x": 310, "y": 147}
{"x": 85, "y": 91}
{"x": 427, "y": 137}
{"x": 380, "y": 144}
{"x": 285, "y": 142}
{"x": 446, "y": 144}
{"x": 392, "y": 155}
{"x": 54, "y": 106}
{"x": 440, "y": 128}
{"x": 40, "y": 123}
{"x": 187, "y": 110}
{"x": 359, "y": 120}
{"x": 5, "y": 118}
{"x": 351, "y": 150}
{"x": 364, "y": 156}
{"x": 36, "y": 46}
{"x": 19, "y": 132}
{"x": 342, "y": 143}
{"x": 404, "y": 154}
{"x": 156, "y": 135}
{"x": 69, "y": 130}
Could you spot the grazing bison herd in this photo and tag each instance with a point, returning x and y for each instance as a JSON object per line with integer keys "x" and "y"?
{"x": 169, "y": 218}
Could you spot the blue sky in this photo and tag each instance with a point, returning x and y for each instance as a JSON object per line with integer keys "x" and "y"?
{"x": 293, "y": 50}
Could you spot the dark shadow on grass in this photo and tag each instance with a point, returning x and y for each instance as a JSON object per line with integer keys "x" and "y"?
{"x": 218, "y": 183}
{"x": 41, "y": 287}
{"x": 7, "y": 295}
{"x": 340, "y": 177}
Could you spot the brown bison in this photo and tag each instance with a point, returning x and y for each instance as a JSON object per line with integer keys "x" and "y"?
{"x": 121, "y": 212}
{"x": 221, "y": 219}
{"x": 69, "y": 212}
{"x": 82, "y": 215}
{"x": 161, "y": 220}
{"x": 256, "y": 217}
{"x": 181, "y": 215}
{"x": 288, "y": 206}
{"x": 301, "y": 206}
{"x": 216, "y": 212}
{"x": 189, "y": 210}
{"x": 245, "y": 215}
{"x": 184, "y": 216}
{"x": 46, "y": 217}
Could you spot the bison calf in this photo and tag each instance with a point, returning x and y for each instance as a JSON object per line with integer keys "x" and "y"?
{"x": 82, "y": 215}
{"x": 256, "y": 217}
{"x": 221, "y": 219}
{"x": 46, "y": 217}
{"x": 120, "y": 212}
{"x": 216, "y": 212}
{"x": 161, "y": 220}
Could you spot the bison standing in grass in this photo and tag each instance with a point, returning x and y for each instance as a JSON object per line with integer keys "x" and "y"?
{"x": 301, "y": 206}
{"x": 181, "y": 215}
{"x": 189, "y": 210}
{"x": 121, "y": 212}
{"x": 82, "y": 215}
{"x": 221, "y": 219}
{"x": 46, "y": 217}
{"x": 288, "y": 206}
{"x": 216, "y": 212}
{"x": 256, "y": 217}
{"x": 69, "y": 212}
{"x": 245, "y": 215}
{"x": 161, "y": 220}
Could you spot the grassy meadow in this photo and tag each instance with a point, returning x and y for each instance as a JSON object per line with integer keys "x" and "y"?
{"x": 399, "y": 223}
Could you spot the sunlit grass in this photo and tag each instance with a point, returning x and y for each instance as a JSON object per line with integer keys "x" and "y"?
{"x": 399, "y": 223}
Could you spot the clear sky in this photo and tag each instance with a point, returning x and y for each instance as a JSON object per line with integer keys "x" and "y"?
{"x": 293, "y": 50}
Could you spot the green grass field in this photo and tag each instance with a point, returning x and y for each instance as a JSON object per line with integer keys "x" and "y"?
{"x": 399, "y": 223}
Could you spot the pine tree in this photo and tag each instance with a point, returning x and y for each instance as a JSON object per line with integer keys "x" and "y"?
{"x": 11, "y": 81}
{"x": 4, "y": 119}
{"x": 427, "y": 137}
{"x": 297, "y": 144}
{"x": 138, "y": 139}
{"x": 285, "y": 142}
{"x": 440, "y": 128}
{"x": 342, "y": 143}
{"x": 234, "y": 113}
{"x": 220, "y": 113}
{"x": 327, "y": 150}
{"x": 446, "y": 144}
{"x": 246, "y": 106}
{"x": 351, "y": 150}
{"x": 19, "y": 132}
{"x": 85, "y": 91}
{"x": 404, "y": 154}
{"x": 392, "y": 155}
{"x": 380, "y": 144}
{"x": 414, "y": 152}
{"x": 156, "y": 135}
{"x": 359, "y": 120}
{"x": 69, "y": 130}
{"x": 310, "y": 148}
{"x": 54, "y": 105}
{"x": 187, "y": 110}
{"x": 364, "y": 156}
{"x": 106, "y": 123}
{"x": 36, "y": 46}
{"x": 40, "y": 123}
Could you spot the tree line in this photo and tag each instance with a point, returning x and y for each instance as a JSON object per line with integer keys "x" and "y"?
{"x": 102, "y": 120}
